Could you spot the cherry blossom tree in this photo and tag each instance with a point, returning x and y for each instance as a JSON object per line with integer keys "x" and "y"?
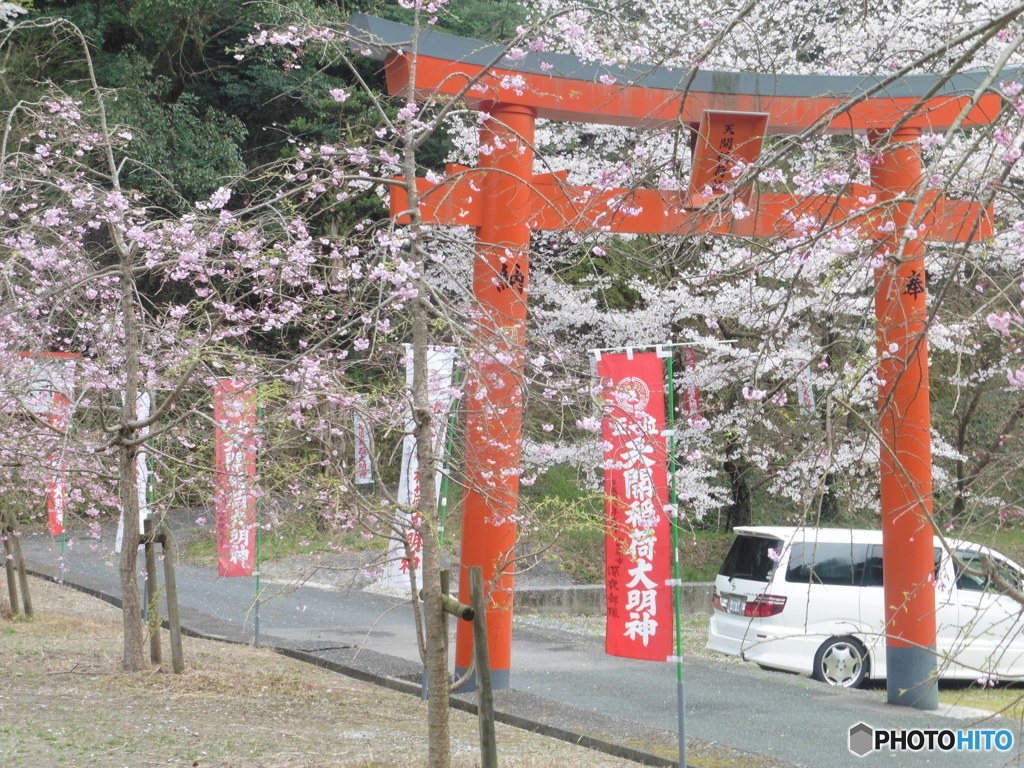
{"x": 262, "y": 282}
{"x": 275, "y": 279}
{"x": 148, "y": 301}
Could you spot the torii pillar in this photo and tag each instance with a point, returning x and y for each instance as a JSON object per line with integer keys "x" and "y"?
{"x": 494, "y": 388}
{"x": 504, "y": 201}
{"x": 904, "y": 427}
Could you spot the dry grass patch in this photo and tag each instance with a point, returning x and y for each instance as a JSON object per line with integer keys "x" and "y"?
{"x": 65, "y": 702}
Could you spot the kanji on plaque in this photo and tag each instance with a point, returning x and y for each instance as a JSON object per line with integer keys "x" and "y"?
{"x": 726, "y": 143}
{"x": 234, "y": 411}
{"x": 638, "y": 542}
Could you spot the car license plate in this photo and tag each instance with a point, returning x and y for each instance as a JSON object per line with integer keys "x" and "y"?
{"x": 735, "y": 604}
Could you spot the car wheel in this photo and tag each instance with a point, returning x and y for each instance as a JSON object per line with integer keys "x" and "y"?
{"x": 841, "y": 661}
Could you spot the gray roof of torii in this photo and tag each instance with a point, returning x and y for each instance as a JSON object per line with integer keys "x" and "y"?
{"x": 381, "y": 37}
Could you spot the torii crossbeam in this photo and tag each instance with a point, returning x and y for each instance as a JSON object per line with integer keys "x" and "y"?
{"x": 732, "y": 112}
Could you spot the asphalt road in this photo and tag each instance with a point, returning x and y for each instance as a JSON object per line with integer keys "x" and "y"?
{"x": 785, "y": 717}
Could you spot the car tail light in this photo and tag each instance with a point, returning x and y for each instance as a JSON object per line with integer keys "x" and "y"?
{"x": 763, "y": 606}
{"x": 716, "y": 601}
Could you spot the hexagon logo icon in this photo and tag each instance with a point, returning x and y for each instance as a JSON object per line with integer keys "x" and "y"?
{"x": 862, "y": 739}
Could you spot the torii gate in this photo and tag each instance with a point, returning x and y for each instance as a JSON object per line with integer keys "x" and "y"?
{"x": 505, "y": 201}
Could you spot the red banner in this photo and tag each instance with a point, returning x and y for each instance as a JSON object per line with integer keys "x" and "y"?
{"x": 56, "y": 487}
{"x": 44, "y": 384}
{"x": 638, "y": 543}
{"x": 234, "y": 411}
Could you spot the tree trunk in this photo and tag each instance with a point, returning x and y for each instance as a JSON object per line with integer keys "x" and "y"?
{"x": 828, "y": 511}
{"x": 960, "y": 443}
{"x": 436, "y": 646}
{"x": 740, "y": 511}
{"x": 435, "y": 630}
{"x": 133, "y": 657}
{"x": 435, "y": 624}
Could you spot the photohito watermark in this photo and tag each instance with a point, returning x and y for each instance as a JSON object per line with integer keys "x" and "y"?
{"x": 865, "y": 739}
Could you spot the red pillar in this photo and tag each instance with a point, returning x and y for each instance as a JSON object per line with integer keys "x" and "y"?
{"x": 905, "y": 432}
{"x": 494, "y": 387}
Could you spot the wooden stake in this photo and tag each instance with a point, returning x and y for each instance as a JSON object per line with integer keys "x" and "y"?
{"x": 12, "y": 585}
{"x": 485, "y": 702}
{"x": 19, "y": 561}
{"x": 171, "y": 586}
{"x": 155, "y": 653}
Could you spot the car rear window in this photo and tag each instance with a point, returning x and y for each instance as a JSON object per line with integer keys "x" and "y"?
{"x": 749, "y": 558}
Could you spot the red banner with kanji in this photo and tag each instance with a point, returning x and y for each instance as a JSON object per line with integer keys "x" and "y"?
{"x": 44, "y": 383}
{"x": 638, "y": 543}
{"x": 234, "y": 411}
{"x": 56, "y": 487}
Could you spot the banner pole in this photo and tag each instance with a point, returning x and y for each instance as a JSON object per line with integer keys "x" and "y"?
{"x": 676, "y": 575}
{"x": 63, "y": 541}
{"x": 259, "y": 531}
{"x": 150, "y": 533}
{"x": 448, "y": 448}
{"x": 256, "y": 621}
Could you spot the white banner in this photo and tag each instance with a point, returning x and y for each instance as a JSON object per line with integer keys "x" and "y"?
{"x": 440, "y": 363}
{"x": 142, "y": 411}
{"x": 50, "y": 377}
{"x": 363, "y": 440}
{"x": 805, "y": 389}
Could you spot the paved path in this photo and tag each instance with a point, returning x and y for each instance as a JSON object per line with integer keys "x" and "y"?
{"x": 562, "y": 680}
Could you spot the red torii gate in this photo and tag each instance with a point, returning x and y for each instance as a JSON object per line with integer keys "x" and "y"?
{"x": 505, "y": 201}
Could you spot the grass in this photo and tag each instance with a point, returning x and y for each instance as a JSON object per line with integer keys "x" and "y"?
{"x": 579, "y": 549}
{"x": 1003, "y": 699}
{"x": 1007, "y": 539}
{"x": 284, "y": 541}
{"x": 569, "y": 529}
{"x": 701, "y": 554}
{"x": 570, "y": 522}
{"x": 1006, "y": 699}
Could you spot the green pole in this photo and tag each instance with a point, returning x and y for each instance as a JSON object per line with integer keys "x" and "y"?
{"x": 150, "y": 483}
{"x": 259, "y": 537}
{"x": 151, "y": 608}
{"x": 448, "y": 448}
{"x": 676, "y": 576}
{"x": 150, "y": 550}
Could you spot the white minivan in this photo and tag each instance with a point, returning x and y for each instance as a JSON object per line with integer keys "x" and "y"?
{"x": 809, "y": 600}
